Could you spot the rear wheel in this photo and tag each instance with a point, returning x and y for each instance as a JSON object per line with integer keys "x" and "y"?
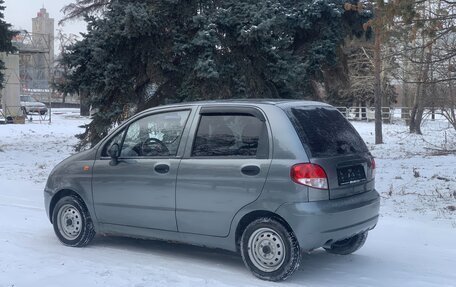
{"x": 348, "y": 245}
{"x": 269, "y": 250}
{"x": 72, "y": 222}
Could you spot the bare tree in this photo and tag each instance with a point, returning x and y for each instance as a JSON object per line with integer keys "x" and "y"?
{"x": 61, "y": 71}
{"x": 444, "y": 91}
{"x": 423, "y": 52}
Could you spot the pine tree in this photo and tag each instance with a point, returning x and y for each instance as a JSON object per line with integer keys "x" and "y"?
{"x": 6, "y": 35}
{"x": 138, "y": 54}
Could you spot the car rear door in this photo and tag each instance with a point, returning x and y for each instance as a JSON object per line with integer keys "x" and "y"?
{"x": 139, "y": 190}
{"x": 224, "y": 168}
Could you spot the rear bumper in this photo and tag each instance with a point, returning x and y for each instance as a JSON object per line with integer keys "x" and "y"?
{"x": 316, "y": 224}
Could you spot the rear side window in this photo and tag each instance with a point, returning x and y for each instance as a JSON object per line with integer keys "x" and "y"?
{"x": 326, "y": 132}
{"x": 231, "y": 135}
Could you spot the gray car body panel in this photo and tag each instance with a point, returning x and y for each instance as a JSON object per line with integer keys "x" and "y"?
{"x": 69, "y": 175}
{"x": 151, "y": 202}
{"x": 203, "y": 218}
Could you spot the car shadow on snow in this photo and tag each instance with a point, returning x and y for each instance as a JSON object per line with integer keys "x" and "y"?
{"x": 316, "y": 266}
{"x": 172, "y": 250}
{"x": 326, "y": 269}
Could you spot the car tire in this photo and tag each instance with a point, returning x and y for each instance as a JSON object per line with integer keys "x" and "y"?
{"x": 42, "y": 113}
{"x": 269, "y": 250}
{"x": 348, "y": 245}
{"x": 72, "y": 222}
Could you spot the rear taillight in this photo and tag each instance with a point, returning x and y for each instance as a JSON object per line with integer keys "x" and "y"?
{"x": 373, "y": 167}
{"x": 309, "y": 174}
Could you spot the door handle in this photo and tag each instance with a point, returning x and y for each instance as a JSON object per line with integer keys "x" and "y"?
{"x": 250, "y": 170}
{"x": 161, "y": 168}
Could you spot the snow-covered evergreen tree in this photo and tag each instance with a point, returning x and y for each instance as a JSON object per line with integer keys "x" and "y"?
{"x": 194, "y": 50}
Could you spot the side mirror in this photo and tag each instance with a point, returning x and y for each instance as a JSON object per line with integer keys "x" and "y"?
{"x": 114, "y": 153}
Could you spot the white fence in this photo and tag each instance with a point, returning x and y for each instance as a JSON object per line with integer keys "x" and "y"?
{"x": 389, "y": 114}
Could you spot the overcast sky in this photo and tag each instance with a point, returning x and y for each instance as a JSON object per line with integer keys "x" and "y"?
{"x": 19, "y": 13}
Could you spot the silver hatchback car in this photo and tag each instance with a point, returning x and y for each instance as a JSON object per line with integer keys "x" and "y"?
{"x": 266, "y": 178}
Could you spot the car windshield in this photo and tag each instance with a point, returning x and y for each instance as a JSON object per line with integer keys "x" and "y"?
{"x": 326, "y": 132}
{"x": 27, "y": 99}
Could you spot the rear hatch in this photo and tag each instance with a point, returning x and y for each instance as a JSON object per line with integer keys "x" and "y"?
{"x": 334, "y": 144}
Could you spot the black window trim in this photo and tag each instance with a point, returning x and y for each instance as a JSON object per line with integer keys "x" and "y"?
{"x": 221, "y": 110}
{"x": 125, "y": 129}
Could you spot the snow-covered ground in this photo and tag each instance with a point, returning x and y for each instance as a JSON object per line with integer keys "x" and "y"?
{"x": 413, "y": 245}
{"x": 416, "y": 177}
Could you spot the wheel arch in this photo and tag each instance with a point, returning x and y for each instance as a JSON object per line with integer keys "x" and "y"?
{"x": 253, "y": 215}
{"x": 59, "y": 195}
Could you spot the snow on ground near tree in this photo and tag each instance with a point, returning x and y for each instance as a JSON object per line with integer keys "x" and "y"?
{"x": 415, "y": 177}
{"x": 413, "y": 244}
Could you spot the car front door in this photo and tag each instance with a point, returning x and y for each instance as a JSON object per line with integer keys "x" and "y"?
{"x": 224, "y": 169}
{"x": 138, "y": 189}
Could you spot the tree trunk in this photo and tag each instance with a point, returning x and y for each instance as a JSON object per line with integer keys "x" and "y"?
{"x": 416, "y": 103}
{"x": 419, "y": 117}
{"x": 417, "y": 97}
{"x": 417, "y": 110}
{"x": 452, "y": 103}
{"x": 421, "y": 92}
{"x": 377, "y": 72}
{"x": 85, "y": 107}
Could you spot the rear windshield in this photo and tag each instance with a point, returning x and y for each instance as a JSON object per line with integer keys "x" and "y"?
{"x": 326, "y": 132}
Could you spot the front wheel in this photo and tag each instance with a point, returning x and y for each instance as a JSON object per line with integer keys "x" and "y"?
{"x": 72, "y": 222}
{"x": 348, "y": 245}
{"x": 269, "y": 250}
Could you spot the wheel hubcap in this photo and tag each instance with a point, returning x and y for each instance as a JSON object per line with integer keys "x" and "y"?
{"x": 69, "y": 222}
{"x": 266, "y": 249}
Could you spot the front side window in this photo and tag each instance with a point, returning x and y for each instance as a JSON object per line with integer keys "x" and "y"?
{"x": 155, "y": 135}
{"x": 231, "y": 136}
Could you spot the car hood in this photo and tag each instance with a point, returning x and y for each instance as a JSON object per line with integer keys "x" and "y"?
{"x": 84, "y": 155}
